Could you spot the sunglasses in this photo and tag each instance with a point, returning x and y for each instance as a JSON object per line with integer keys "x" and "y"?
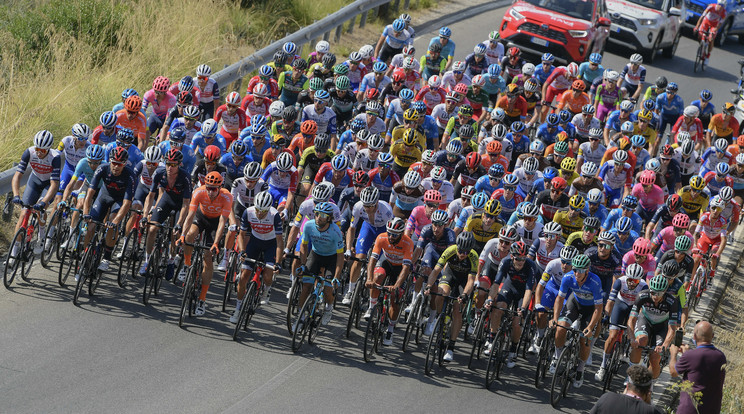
{"x": 551, "y": 236}
{"x": 210, "y": 162}
{"x": 593, "y": 139}
{"x": 432, "y": 205}
{"x": 231, "y": 106}
{"x": 203, "y": 77}
{"x": 264, "y": 78}
{"x": 520, "y": 259}
{"x": 321, "y": 215}
{"x": 504, "y": 243}
{"x": 277, "y": 146}
{"x": 657, "y": 294}
{"x": 384, "y": 165}
{"x": 457, "y": 72}
{"x": 171, "y": 164}
{"x": 188, "y": 118}
{"x": 493, "y": 154}
{"x": 590, "y": 229}
{"x": 512, "y": 188}
{"x": 530, "y": 219}
{"x": 117, "y": 164}
{"x": 489, "y": 216}
{"x": 574, "y": 208}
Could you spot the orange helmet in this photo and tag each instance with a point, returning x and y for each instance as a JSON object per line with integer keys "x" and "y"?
{"x": 133, "y": 103}
{"x": 494, "y": 147}
{"x": 214, "y": 179}
{"x": 309, "y": 127}
{"x": 579, "y": 85}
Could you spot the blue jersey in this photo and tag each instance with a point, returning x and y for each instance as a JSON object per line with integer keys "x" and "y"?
{"x": 448, "y": 50}
{"x": 256, "y": 153}
{"x": 235, "y": 171}
{"x": 588, "y": 294}
{"x": 181, "y": 189}
{"x": 588, "y": 74}
{"x": 189, "y": 159}
{"x": 601, "y": 212}
{"x": 616, "y": 213}
{"x": 83, "y": 170}
{"x": 545, "y": 135}
{"x": 347, "y": 137}
{"x": 484, "y": 184}
{"x": 709, "y": 109}
{"x": 431, "y": 130}
{"x": 541, "y": 74}
{"x": 614, "y": 122}
{"x": 569, "y": 128}
{"x": 670, "y": 108}
{"x": 324, "y": 243}
{"x": 443, "y": 161}
{"x": 497, "y": 86}
{"x": 626, "y": 246}
{"x": 119, "y": 187}
{"x": 199, "y": 143}
{"x": 135, "y": 155}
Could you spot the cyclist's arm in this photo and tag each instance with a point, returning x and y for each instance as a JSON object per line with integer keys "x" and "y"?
{"x": 433, "y": 275}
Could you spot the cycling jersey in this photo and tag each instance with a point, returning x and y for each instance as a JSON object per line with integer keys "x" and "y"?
{"x": 685, "y": 266}
{"x": 606, "y": 269}
{"x": 460, "y": 268}
{"x": 417, "y": 220}
{"x": 396, "y": 254}
{"x": 231, "y": 124}
{"x": 311, "y": 161}
{"x": 722, "y": 128}
{"x": 480, "y": 232}
{"x": 137, "y": 125}
{"x": 45, "y": 169}
{"x": 548, "y": 206}
{"x": 622, "y": 293}
{"x": 98, "y": 137}
{"x": 369, "y": 81}
{"x": 323, "y": 243}
{"x": 211, "y": 208}
{"x": 385, "y": 185}
{"x": 281, "y": 180}
{"x": 666, "y": 310}
{"x": 266, "y": 228}
{"x": 614, "y": 179}
{"x": 569, "y": 224}
{"x": 666, "y": 237}
{"x": 528, "y": 236}
{"x": 83, "y": 170}
{"x": 587, "y": 294}
{"x": 179, "y": 191}
{"x": 234, "y": 171}
{"x": 553, "y": 273}
{"x": 199, "y": 143}
{"x": 632, "y": 77}
{"x": 576, "y": 239}
{"x": 713, "y": 228}
{"x": 405, "y": 155}
{"x": 616, "y": 213}
{"x": 539, "y": 250}
{"x": 72, "y": 155}
{"x": 245, "y": 196}
{"x": 573, "y": 103}
{"x": 649, "y": 265}
{"x": 200, "y": 172}
{"x": 159, "y": 107}
{"x": 694, "y": 205}
{"x": 403, "y": 200}
{"x": 651, "y": 200}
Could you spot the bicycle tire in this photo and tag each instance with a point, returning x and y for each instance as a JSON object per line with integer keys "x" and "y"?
{"x": 126, "y": 257}
{"x": 229, "y": 280}
{"x": 543, "y": 360}
{"x": 697, "y": 61}
{"x": 150, "y": 273}
{"x": 354, "y": 307}
{"x": 244, "y": 311}
{"x": 63, "y": 232}
{"x": 421, "y": 320}
{"x": 186, "y": 298}
{"x": 46, "y": 253}
{"x": 611, "y": 367}
{"x": 478, "y": 336}
{"x": 525, "y": 339}
{"x": 93, "y": 283}
{"x": 371, "y": 334}
{"x": 27, "y": 260}
{"x": 69, "y": 259}
{"x": 82, "y": 270}
{"x": 10, "y": 270}
{"x": 304, "y": 321}
{"x": 561, "y": 377}
{"x": 253, "y": 302}
{"x": 314, "y": 326}
{"x": 434, "y": 346}
{"x": 294, "y": 299}
{"x": 445, "y": 339}
{"x": 413, "y": 320}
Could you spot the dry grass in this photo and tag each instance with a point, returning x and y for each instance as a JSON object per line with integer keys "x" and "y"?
{"x": 730, "y": 338}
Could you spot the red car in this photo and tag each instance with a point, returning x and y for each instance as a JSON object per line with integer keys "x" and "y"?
{"x": 569, "y": 29}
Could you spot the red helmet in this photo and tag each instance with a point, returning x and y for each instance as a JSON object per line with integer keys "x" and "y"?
{"x": 174, "y": 155}
{"x": 641, "y": 247}
{"x": 119, "y": 154}
{"x": 213, "y": 179}
{"x": 667, "y": 151}
{"x": 133, "y": 103}
{"x": 674, "y": 202}
{"x": 160, "y": 84}
{"x": 360, "y": 178}
{"x": 681, "y": 220}
{"x": 185, "y": 98}
{"x": 514, "y": 51}
{"x": 432, "y": 196}
{"x": 399, "y": 75}
{"x": 372, "y": 94}
{"x": 461, "y": 88}
{"x": 518, "y": 249}
{"x": 558, "y": 183}
{"x": 212, "y": 153}
{"x": 473, "y": 160}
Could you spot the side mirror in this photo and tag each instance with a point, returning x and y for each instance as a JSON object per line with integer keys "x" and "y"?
{"x": 603, "y": 21}
{"x": 675, "y": 12}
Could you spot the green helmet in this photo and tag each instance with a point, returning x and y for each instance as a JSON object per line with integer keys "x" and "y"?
{"x": 316, "y": 84}
{"x": 658, "y": 284}
{"x": 561, "y": 147}
{"x": 466, "y": 110}
{"x": 682, "y": 243}
{"x": 340, "y": 69}
{"x": 343, "y": 83}
{"x": 580, "y": 262}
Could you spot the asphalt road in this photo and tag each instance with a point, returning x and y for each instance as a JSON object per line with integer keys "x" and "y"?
{"x": 113, "y": 354}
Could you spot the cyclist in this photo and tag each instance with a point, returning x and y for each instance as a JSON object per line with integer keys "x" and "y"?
{"x": 432, "y": 63}
{"x": 711, "y": 233}
{"x": 321, "y": 251}
{"x": 337, "y": 173}
{"x": 624, "y": 234}
{"x": 74, "y": 148}
{"x": 210, "y": 206}
{"x": 366, "y": 159}
{"x": 653, "y": 318}
{"x": 383, "y": 177}
{"x": 664, "y": 215}
{"x": 210, "y": 162}
{"x": 641, "y": 254}
{"x": 177, "y": 140}
{"x": 170, "y": 193}
{"x": 486, "y": 224}
{"x": 559, "y": 81}
{"x": 406, "y": 194}
{"x": 458, "y": 265}
{"x": 552, "y": 199}
{"x": 130, "y": 117}
{"x": 715, "y": 155}
{"x": 723, "y": 125}
{"x": 278, "y": 146}
{"x": 161, "y": 100}
{"x": 694, "y": 199}
{"x": 310, "y": 162}
{"x": 112, "y": 188}
{"x": 585, "y": 305}
{"x": 514, "y": 281}
{"x": 350, "y": 196}
{"x": 709, "y": 22}
{"x": 571, "y": 219}
{"x": 607, "y": 96}
{"x": 632, "y": 78}
{"x": 83, "y": 175}
{"x": 585, "y": 238}
{"x": 208, "y": 136}
{"x": 106, "y": 131}
{"x": 507, "y": 196}
{"x": 392, "y": 40}
{"x": 707, "y": 109}
{"x": 605, "y": 260}
{"x": 617, "y": 177}
{"x": 390, "y": 262}
{"x": 245, "y": 188}
{"x": 650, "y": 196}
{"x": 669, "y": 106}
{"x": 732, "y": 209}
{"x": 233, "y": 118}
{"x": 615, "y": 121}
{"x": 575, "y": 99}
{"x": 433, "y": 240}
{"x": 405, "y": 152}
{"x": 529, "y": 227}
{"x": 548, "y": 247}
{"x": 623, "y": 296}
{"x": 690, "y": 123}
{"x": 210, "y": 92}
{"x": 421, "y": 215}
{"x": 281, "y": 176}
{"x": 664, "y": 241}
{"x": 184, "y": 100}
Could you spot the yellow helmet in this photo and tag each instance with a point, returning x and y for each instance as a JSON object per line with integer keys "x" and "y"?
{"x": 493, "y": 207}
{"x": 645, "y": 115}
{"x": 409, "y": 137}
{"x": 568, "y": 164}
{"x": 697, "y": 183}
{"x": 576, "y": 202}
{"x": 411, "y": 115}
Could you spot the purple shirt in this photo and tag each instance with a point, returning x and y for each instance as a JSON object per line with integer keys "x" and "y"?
{"x": 704, "y": 366}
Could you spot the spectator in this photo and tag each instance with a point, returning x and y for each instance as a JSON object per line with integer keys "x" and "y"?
{"x": 635, "y": 399}
{"x": 705, "y": 367}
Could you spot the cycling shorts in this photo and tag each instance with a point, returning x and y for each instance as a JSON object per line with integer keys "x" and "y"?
{"x": 208, "y": 225}
{"x": 388, "y": 52}
{"x": 553, "y": 93}
{"x": 656, "y": 333}
{"x": 629, "y": 87}
{"x": 256, "y": 247}
{"x": 430, "y": 257}
{"x": 573, "y": 311}
{"x": 64, "y": 178}
{"x": 707, "y": 26}
{"x": 35, "y": 189}
{"x": 279, "y": 194}
{"x": 140, "y": 194}
{"x": 620, "y": 314}
{"x": 509, "y": 294}
{"x": 104, "y": 202}
{"x": 549, "y": 294}
{"x": 456, "y": 284}
{"x": 163, "y": 209}
{"x": 315, "y": 263}
{"x": 238, "y": 209}
{"x": 367, "y": 236}
{"x": 309, "y": 175}
{"x": 154, "y": 123}
{"x": 705, "y": 243}
{"x": 613, "y": 196}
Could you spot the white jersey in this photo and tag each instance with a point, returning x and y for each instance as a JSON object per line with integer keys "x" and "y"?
{"x": 543, "y": 256}
{"x": 383, "y": 214}
{"x": 305, "y": 212}
{"x": 363, "y": 162}
{"x": 687, "y": 165}
{"x": 440, "y": 114}
{"x": 145, "y": 177}
{"x": 625, "y": 294}
{"x": 72, "y": 155}
{"x": 588, "y": 154}
{"x": 397, "y": 62}
{"x": 525, "y": 181}
{"x": 449, "y": 81}
{"x": 266, "y": 228}
{"x": 350, "y": 151}
{"x": 582, "y": 129}
{"x": 528, "y": 236}
{"x": 490, "y": 251}
{"x": 243, "y": 195}
{"x": 446, "y": 190}
{"x": 377, "y": 128}
{"x": 454, "y": 209}
{"x": 553, "y": 269}
{"x": 494, "y": 53}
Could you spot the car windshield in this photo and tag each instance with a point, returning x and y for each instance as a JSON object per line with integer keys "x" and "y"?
{"x": 579, "y": 9}
{"x": 651, "y": 4}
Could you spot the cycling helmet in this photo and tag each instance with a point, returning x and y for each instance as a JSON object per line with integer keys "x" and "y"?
{"x": 119, "y": 154}
{"x": 716, "y": 203}
{"x": 576, "y": 202}
{"x": 672, "y": 87}
{"x": 428, "y": 156}
{"x": 264, "y": 200}
{"x": 276, "y": 109}
{"x": 531, "y": 85}
{"x": 458, "y": 66}
{"x": 406, "y": 94}
{"x": 674, "y": 202}
{"x": 323, "y": 191}
{"x": 613, "y": 76}
{"x": 440, "y": 217}
{"x": 722, "y": 169}
{"x": 528, "y": 69}
{"x": 548, "y": 57}
{"x": 473, "y": 160}
{"x": 691, "y": 111}
{"x": 606, "y": 237}
{"x": 192, "y": 112}
{"x": 160, "y": 84}
{"x": 653, "y": 165}
{"x": 434, "y": 81}
{"x": 239, "y": 149}
{"x": 412, "y": 179}
{"x": 409, "y": 137}
{"x": 509, "y": 234}
{"x": 108, "y": 120}
{"x": 494, "y": 70}
{"x": 126, "y": 93}
{"x": 357, "y": 126}
{"x": 667, "y": 152}
{"x": 588, "y": 169}
{"x": 467, "y": 192}
{"x": 289, "y": 48}
{"x": 581, "y": 262}
{"x": 510, "y": 180}
{"x": 174, "y": 156}
{"x": 370, "y": 195}
{"x": 396, "y": 225}
{"x": 322, "y": 96}
{"x": 375, "y": 142}
{"x": 186, "y": 84}
{"x": 373, "y": 108}
{"x": 462, "y": 89}
{"x": 465, "y": 242}
{"x": 379, "y": 67}
{"x": 572, "y": 70}
{"x": 360, "y": 178}
{"x": 328, "y": 60}
{"x": 578, "y": 85}
{"x": 499, "y": 131}
{"x": 500, "y": 115}
{"x": 405, "y": 17}
{"x": 366, "y": 51}
{"x": 681, "y": 220}
{"x": 682, "y": 243}
{"x": 721, "y": 144}
{"x": 530, "y": 210}
{"x": 636, "y": 58}
{"x": 568, "y": 164}
{"x": 568, "y": 253}
{"x": 726, "y": 193}
{"x": 300, "y": 64}
{"x": 493, "y": 35}
{"x": 432, "y": 196}
{"x": 558, "y": 183}
{"x": 152, "y": 154}
{"x": 623, "y": 224}
{"x": 697, "y": 183}
{"x": 316, "y": 84}
{"x": 594, "y": 195}
{"x": 587, "y": 109}
{"x": 553, "y": 120}
{"x": 309, "y": 127}
{"x": 96, "y": 153}
{"x": 466, "y": 131}
{"x": 212, "y": 153}
{"x": 634, "y": 271}
{"x": 687, "y": 146}
{"x": 340, "y": 69}
{"x": 565, "y": 116}
{"x": 445, "y": 32}
{"x": 340, "y": 162}
{"x": 645, "y": 115}
{"x": 626, "y": 106}
{"x": 438, "y": 173}
{"x": 537, "y": 146}
{"x": 641, "y": 247}
{"x": 620, "y": 156}
{"x": 324, "y": 208}
{"x": 553, "y": 228}
{"x": 81, "y": 131}
{"x": 638, "y": 141}
{"x": 630, "y": 202}
{"x": 670, "y": 268}
{"x": 233, "y": 98}
{"x": 706, "y": 95}
{"x": 517, "y": 127}
{"x": 321, "y": 143}
{"x": 514, "y": 52}
{"x": 322, "y": 46}
{"x": 518, "y": 249}
{"x": 125, "y": 136}
{"x": 648, "y": 177}
{"x": 530, "y": 165}
{"x": 384, "y": 159}
{"x": 479, "y": 49}
{"x": 252, "y": 171}
{"x": 478, "y": 80}
{"x": 658, "y": 283}
{"x": 478, "y": 201}
{"x": 595, "y": 58}
{"x": 649, "y": 104}
{"x": 133, "y": 103}
{"x": 284, "y": 162}
{"x": 591, "y": 222}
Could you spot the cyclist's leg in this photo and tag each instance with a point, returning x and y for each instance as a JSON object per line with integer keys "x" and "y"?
{"x": 269, "y": 250}
{"x": 208, "y": 267}
{"x": 31, "y": 195}
{"x": 642, "y": 332}
{"x": 569, "y": 314}
{"x": 620, "y": 313}
{"x": 313, "y": 264}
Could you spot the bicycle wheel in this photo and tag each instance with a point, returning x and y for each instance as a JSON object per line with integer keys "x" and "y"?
{"x": 230, "y": 274}
{"x": 355, "y": 308}
{"x": 528, "y": 333}
{"x": 27, "y": 260}
{"x": 372, "y": 333}
{"x": 69, "y": 258}
{"x": 303, "y": 323}
{"x": 413, "y": 321}
{"x": 543, "y": 359}
{"x": 434, "y": 348}
{"x": 698, "y": 58}
{"x": 50, "y": 248}
{"x": 86, "y": 263}
{"x": 12, "y": 260}
{"x": 150, "y": 275}
{"x": 561, "y": 377}
{"x": 478, "y": 337}
{"x": 187, "y": 297}
{"x": 314, "y": 325}
{"x": 245, "y": 310}
{"x": 293, "y": 304}
{"x": 421, "y": 319}
{"x": 445, "y": 339}
{"x": 63, "y": 232}
{"x": 612, "y": 367}
{"x": 498, "y": 353}
{"x": 127, "y": 255}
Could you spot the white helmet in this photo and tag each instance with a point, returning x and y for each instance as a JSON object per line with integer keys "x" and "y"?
{"x": 43, "y": 140}
{"x": 530, "y": 164}
{"x": 553, "y": 228}
{"x": 366, "y": 51}
{"x": 691, "y": 111}
{"x": 594, "y": 195}
{"x": 528, "y": 69}
{"x": 209, "y": 128}
{"x": 370, "y": 195}
{"x": 153, "y": 154}
{"x": 636, "y": 58}
{"x": 375, "y": 142}
{"x": 323, "y": 191}
{"x": 203, "y": 70}
{"x": 626, "y": 105}
{"x": 233, "y": 98}
{"x": 435, "y": 81}
{"x": 284, "y": 161}
{"x": 572, "y": 70}
{"x": 81, "y": 131}
{"x": 478, "y": 80}
{"x": 589, "y": 168}
{"x": 634, "y": 271}
{"x": 276, "y": 108}
{"x": 322, "y": 47}
{"x": 438, "y": 173}
{"x": 613, "y": 76}
{"x": 263, "y": 200}
{"x": 620, "y": 156}
{"x": 459, "y": 66}
{"x": 252, "y": 171}
{"x": 412, "y": 179}
{"x": 428, "y": 156}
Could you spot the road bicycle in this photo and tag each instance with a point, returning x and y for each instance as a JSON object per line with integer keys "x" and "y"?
{"x": 293, "y": 300}
{"x": 158, "y": 263}
{"x": 56, "y": 232}
{"x": 440, "y": 337}
{"x": 702, "y": 51}
{"x": 193, "y": 284}
{"x": 620, "y": 348}
{"x": 416, "y": 319}
{"x": 700, "y": 280}
{"x": 133, "y": 249}
{"x": 21, "y": 251}
{"x": 545, "y": 355}
{"x": 378, "y": 322}
{"x": 252, "y": 298}
{"x": 566, "y": 367}
{"x": 481, "y": 325}
{"x": 87, "y": 268}
{"x": 308, "y": 320}
{"x": 232, "y": 273}
{"x": 71, "y": 250}
{"x": 500, "y": 346}
{"x": 359, "y": 298}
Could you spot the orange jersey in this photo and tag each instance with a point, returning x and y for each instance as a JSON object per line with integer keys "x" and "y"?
{"x": 138, "y": 125}
{"x": 268, "y": 158}
{"x": 298, "y": 144}
{"x": 573, "y": 103}
{"x": 396, "y": 254}
{"x": 220, "y": 206}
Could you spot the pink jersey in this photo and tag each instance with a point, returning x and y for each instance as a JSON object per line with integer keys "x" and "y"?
{"x": 417, "y": 220}
{"x": 649, "y": 265}
{"x": 650, "y": 200}
{"x": 666, "y": 238}
{"x": 159, "y": 108}
{"x": 712, "y": 228}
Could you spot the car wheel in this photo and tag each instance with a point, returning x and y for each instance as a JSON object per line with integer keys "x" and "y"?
{"x": 723, "y": 34}
{"x": 670, "y": 51}
{"x": 650, "y": 54}
{"x": 741, "y": 38}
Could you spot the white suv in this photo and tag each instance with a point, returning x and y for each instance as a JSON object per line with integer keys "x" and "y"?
{"x": 647, "y": 25}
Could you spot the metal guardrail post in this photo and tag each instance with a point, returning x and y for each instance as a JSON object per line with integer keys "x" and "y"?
{"x": 351, "y": 25}
{"x": 406, "y": 4}
{"x": 396, "y": 5}
{"x": 363, "y": 20}
{"x": 327, "y": 36}
{"x": 338, "y": 32}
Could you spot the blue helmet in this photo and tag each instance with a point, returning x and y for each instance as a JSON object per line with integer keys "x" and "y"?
{"x": 454, "y": 147}
{"x": 672, "y": 86}
{"x": 340, "y": 162}
{"x": 548, "y": 57}
{"x": 494, "y": 70}
{"x": 722, "y": 168}
{"x": 511, "y": 179}
{"x": 357, "y": 125}
{"x": 258, "y": 119}
{"x": 649, "y": 104}
{"x": 108, "y": 119}
{"x": 258, "y": 130}
{"x": 479, "y": 201}
{"x": 623, "y": 224}
{"x": 379, "y": 67}
{"x": 706, "y": 95}
{"x": 289, "y": 48}
{"x": 399, "y": 25}
{"x": 94, "y": 152}
{"x": 265, "y": 70}
{"x": 406, "y": 94}
{"x": 445, "y": 32}
{"x": 637, "y": 140}
{"x": 419, "y": 106}
{"x": 553, "y": 120}
{"x": 125, "y": 136}
{"x": 496, "y": 171}
{"x": 178, "y": 135}
{"x": 630, "y": 201}
{"x": 186, "y": 84}
{"x": 322, "y": 95}
{"x": 550, "y": 173}
{"x": 385, "y": 158}
{"x": 238, "y": 148}
{"x": 126, "y": 93}
{"x": 565, "y": 116}
{"x": 324, "y": 207}
{"x": 479, "y": 49}
{"x": 595, "y": 58}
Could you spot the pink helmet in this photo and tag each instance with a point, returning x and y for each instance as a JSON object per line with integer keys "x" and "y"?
{"x": 648, "y": 177}
{"x": 160, "y": 84}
